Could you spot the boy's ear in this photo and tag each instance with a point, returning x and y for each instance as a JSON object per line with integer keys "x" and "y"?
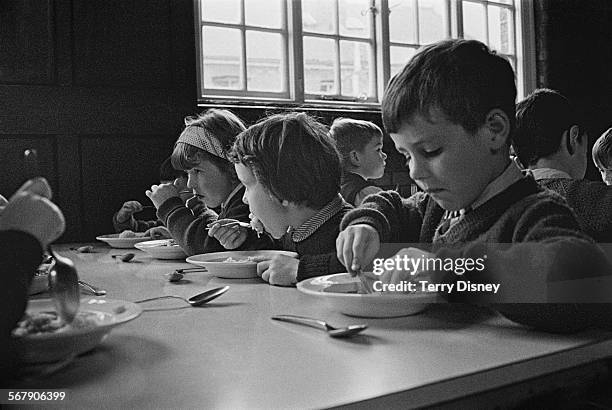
{"x": 354, "y": 158}
{"x": 497, "y": 125}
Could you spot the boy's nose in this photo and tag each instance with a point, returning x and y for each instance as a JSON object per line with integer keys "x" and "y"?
{"x": 244, "y": 199}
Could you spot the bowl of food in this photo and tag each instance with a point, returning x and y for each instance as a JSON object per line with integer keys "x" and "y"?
{"x": 162, "y": 249}
{"x": 234, "y": 264}
{"x": 125, "y": 239}
{"x": 344, "y": 293}
{"x": 40, "y": 337}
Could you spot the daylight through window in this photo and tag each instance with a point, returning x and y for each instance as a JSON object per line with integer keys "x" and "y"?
{"x": 337, "y": 51}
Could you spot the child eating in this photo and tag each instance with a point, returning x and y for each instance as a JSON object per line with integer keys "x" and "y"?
{"x": 450, "y": 112}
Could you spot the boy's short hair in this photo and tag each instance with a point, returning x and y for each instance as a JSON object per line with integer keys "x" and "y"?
{"x": 602, "y": 150}
{"x": 167, "y": 171}
{"x": 224, "y": 125}
{"x": 351, "y": 134}
{"x": 463, "y": 78}
{"x": 541, "y": 119}
{"x": 293, "y": 157}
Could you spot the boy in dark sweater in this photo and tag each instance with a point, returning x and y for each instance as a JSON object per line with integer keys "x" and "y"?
{"x": 450, "y": 112}
{"x": 360, "y": 144}
{"x": 290, "y": 168}
{"x": 602, "y": 156}
{"x": 552, "y": 144}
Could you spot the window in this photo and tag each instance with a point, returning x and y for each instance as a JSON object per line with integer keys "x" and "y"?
{"x": 341, "y": 52}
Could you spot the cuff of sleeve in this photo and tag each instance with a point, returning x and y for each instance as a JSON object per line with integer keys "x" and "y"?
{"x": 311, "y": 267}
{"x": 168, "y": 207}
{"x": 368, "y": 217}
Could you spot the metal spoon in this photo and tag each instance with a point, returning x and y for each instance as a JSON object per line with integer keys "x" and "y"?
{"x": 196, "y": 300}
{"x": 347, "y": 331}
{"x": 64, "y": 286}
{"x": 96, "y": 291}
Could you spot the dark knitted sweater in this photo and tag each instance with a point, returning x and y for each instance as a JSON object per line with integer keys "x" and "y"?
{"x": 317, "y": 252}
{"x": 20, "y": 255}
{"x": 191, "y": 233}
{"x": 352, "y": 184}
{"x": 591, "y": 201}
{"x": 544, "y": 245}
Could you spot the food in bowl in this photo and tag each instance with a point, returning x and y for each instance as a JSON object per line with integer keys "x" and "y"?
{"x": 245, "y": 260}
{"x": 169, "y": 242}
{"x": 131, "y": 234}
{"x": 49, "y": 322}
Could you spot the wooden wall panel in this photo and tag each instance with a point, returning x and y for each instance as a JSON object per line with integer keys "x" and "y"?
{"x": 26, "y": 42}
{"x": 14, "y": 169}
{"x": 123, "y": 43}
{"x": 115, "y": 170}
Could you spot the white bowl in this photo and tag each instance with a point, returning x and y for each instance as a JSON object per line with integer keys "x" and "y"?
{"x": 116, "y": 242}
{"x": 53, "y": 347}
{"x": 160, "y": 249}
{"x": 339, "y": 291}
{"x": 216, "y": 262}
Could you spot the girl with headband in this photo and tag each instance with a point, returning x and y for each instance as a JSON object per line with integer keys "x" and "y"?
{"x": 202, "y": 151}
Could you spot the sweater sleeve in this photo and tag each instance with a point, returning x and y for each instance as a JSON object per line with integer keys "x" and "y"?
{"x": 396, "y": 219}
{"x": 545, "y": 275}
{"x": 20, "y": 255}
{"x": 318, "y": 265}
{"x": 134, "y": 224}
{"x": 189, "y": 231}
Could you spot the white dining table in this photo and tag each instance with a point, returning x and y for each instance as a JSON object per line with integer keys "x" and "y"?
{"x": 229, "y": 354}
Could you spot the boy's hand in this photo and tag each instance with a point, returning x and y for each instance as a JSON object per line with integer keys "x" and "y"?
{"x": 356, "y": 247}
{"x": 280, "y": 270}
{"x": 230, "y": 233}
{"x": 38, "y": 186}
{"x": 410, "y": 275}
{"x": 33, "y": 214}
{"x": 3, "y": 203}
{"x": 158, "y": 232}
{"x": 161, "y": 193}
{"x": 127, "y": 210}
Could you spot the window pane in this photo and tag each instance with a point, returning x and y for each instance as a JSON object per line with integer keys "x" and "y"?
{"x": 432, "y": 21}
{"x": 399, "y": 56}
{"x": 319, "y": 66}
{"x": 501, "y": 30}
{"x": 224, "y": 11}
{"x": 318, "y": 16}
{"x": 356, "y": 67}
{"x": 265, "y": 62}
{"x": 474, "y": 27}
{"x": 222, "y": 58}
{"x": 355, "y": 18}
{"x": 402, "y": 22}
{"x": 263, "y": 13}
{"x": 502, "y": 1}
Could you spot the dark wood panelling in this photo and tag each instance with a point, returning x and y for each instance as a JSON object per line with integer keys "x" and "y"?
{"x": 26, "y": 42}
{"x": 115, "y": 170}
{"x": 123, "y": 43}
{"x": 15, "y": 170}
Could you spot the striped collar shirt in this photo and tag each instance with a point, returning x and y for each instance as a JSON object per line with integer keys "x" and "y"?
{"x": 317, "y": 220}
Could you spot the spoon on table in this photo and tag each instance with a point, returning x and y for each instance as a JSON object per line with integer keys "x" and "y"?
{"x": 347, "y": 331}
{"x": 91, "y": 288}
{"x": 64, "y": 286}
{"x": 196, "y": 300}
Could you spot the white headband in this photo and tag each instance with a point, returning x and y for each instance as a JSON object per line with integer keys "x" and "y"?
{"x": 199, "y": 137}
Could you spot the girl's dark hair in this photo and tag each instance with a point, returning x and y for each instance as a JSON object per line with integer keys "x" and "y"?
{"x": 293, "y": 157}
{"x": 463, "y": 78}
{"x": 224, "y": 125}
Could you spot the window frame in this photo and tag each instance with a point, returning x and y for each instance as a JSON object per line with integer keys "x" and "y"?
{"x": 292, "y": 36}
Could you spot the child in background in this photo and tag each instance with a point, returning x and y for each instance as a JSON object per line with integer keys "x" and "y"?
{"x": 202, "y": 151}
{"x": 124, "y": 218}
{"x": 450, "y": 112}
{"x": 360, "y": 144}
{"x": 602, "y": 156}
{"x": 291, "y": 170}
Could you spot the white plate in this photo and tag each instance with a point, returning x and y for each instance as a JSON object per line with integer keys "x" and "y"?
{"x": 53, "y": 347}
{"x": 340, "y": 292}
{"x": 115, "y": 241}
{"x": 161, "y": 250}
{"x": 215, "y": 262}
